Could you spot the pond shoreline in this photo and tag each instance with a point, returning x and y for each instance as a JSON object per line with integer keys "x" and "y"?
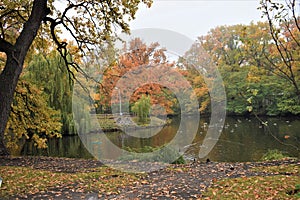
{"x": 117, "y": 129}
{"x": 111, "y": 123}
{"x": 69, "y": 165}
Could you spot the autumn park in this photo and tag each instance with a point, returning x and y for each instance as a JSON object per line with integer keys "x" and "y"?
{"x": 92, "y": 109}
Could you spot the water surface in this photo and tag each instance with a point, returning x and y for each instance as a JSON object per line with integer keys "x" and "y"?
{"x": 242, "y": 139}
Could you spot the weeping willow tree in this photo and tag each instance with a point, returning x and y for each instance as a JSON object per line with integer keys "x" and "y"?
{"x": 142, "y": 108}
{"x": 48, "y": 73}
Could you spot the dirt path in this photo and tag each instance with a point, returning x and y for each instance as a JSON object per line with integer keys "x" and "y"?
{"x": 174, "y": 182}
{"x": 189, "y": 181}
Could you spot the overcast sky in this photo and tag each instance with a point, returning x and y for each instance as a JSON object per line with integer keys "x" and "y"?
{"x": 197, "y": 17}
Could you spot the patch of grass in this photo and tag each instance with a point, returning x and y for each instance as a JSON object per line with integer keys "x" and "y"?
{"x": 271, "y": 187}
{"x": 107, "y": 123}
{"x": 25, "y": 180}
{"x": 295, "y": 191}
{"x": 293, "y": 169}
{"x": 274, "y": 154}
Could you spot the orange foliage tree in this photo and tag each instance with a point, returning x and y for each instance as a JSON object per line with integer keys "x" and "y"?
{"x": 150, "y": 65}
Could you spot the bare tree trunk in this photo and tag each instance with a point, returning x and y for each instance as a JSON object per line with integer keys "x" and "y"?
{"x": 14, "y": 64}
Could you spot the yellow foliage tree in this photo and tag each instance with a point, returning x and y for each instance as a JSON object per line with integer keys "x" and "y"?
{"x": 89, "y": 23}
{"x": 30, "y": 119}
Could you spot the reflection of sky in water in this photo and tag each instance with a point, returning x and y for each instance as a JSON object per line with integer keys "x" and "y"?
{"x": 242, "y": 140}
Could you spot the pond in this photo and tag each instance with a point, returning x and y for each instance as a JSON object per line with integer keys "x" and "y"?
{"x": 242, "y": 139}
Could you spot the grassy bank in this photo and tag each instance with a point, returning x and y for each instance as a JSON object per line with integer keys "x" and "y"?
{"x": 25, "y": 181}
{"x": 284, "y": 184}
{"x": 66, "y": 178}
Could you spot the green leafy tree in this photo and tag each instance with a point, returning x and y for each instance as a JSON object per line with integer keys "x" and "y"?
{"x": 89, "y": 23}
{"x": 243, "y": 54}
{"x": 223, "y": 44}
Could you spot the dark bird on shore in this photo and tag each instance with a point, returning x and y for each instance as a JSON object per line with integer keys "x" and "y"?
{"x": 207, "y": 160}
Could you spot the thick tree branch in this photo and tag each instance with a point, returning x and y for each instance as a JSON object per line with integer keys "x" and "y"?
{"x": 5, "y": 46}
{"x": 31, "y": 27}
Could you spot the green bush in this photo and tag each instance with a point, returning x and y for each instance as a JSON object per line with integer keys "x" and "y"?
{"x": 161, "y": 154}
{"x": 274, "y": 154}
